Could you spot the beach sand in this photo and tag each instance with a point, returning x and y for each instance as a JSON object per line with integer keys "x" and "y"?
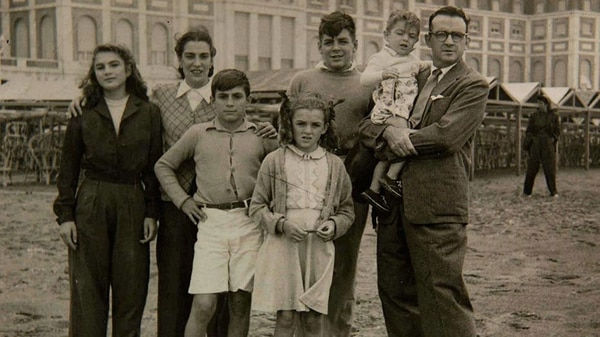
{"x": 532, "y": 266}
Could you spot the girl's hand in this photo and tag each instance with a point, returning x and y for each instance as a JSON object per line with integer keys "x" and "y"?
{"x": 326, "y": 231}
{"x": 293, "y": 232}
{"x": 68, "y": 233}
{"x": 149, "y": 230}
{"x": 193, "y": 210}
{"x": 266, "y": 130}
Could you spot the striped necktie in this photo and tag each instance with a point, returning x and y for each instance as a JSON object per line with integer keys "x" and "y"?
{"x": 423, "y": 98}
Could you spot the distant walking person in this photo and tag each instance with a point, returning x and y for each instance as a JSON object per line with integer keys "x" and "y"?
{"x": 108, "y": 220}
{"x": 541, "y": 137}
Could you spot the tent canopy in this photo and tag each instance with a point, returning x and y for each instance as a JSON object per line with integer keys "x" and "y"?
{"x": 28, "y": 90}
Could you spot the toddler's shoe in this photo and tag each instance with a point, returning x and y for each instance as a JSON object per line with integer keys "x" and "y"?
{"x": 394, "y": 187}
{"x": 376, "y": 200}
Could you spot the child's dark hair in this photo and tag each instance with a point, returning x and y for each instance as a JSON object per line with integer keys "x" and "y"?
{"x": 228, "y": 79}
{"x": 198, "y": 34}
{"x": 333, "y": 24}
{"x": 308, "y": 100}
{"x": 134, "y": 85}
{"x": 412, "y": 20}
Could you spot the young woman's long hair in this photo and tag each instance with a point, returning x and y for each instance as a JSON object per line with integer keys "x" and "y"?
{"x": 290, "y": 105}
{"x": 134, "y": 85}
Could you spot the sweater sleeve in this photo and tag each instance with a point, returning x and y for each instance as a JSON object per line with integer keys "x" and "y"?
{"x": 151, "y": 184}
{"x": 343, "y": 216}
{"x": 70, "y": 168}
{"x": 264, "y": 191}
{"x": 170, "y": 161}
{"x": 373, "y": 73}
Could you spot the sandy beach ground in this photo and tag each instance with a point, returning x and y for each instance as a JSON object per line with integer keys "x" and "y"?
{"x": 532, "y": 267}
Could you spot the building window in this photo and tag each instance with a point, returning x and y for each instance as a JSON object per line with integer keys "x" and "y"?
{"x": 47, "y": 36}
{"x": 124, "y": 34}
{"x": 559, "y": 75}
{"x": 314, "y": 56}
{"x": 495, "y": 29}
{"x": 538, "y": 72}
{"x": 265, "y": 36}
{"x": 373, "y": 6}
{"x": 515, "y": 72}
{"x": 372, "y": 48}
{"x": 516, "y": 30}
{"x": 473, "y": 27}
{"x": 86, "y": 38}
{"x": 495, "y": 68}
{"x": 346, "y": 4}
{"x": 287, "y": 43}
{"x": 585, "y": 75}
{"x": 159, "y": 45}
{"x": 242, "y": 36}
{"x": 21, "y": 39}
{"x": 539, "y": 31}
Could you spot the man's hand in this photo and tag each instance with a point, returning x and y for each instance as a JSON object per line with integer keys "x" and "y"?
{"x": 75, "y": 106}
{"x": 326, "y": 230}
{"x": 149, "y": 230}
{"x": 293, "y": 231}
{"x": 398, "y": 141}
{"x": 266, "y": 130}
{"x": 193, "y": 210}
{"x": 68, "y": 233}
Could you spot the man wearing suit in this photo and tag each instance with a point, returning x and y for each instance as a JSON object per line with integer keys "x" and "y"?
{"x": 421, "y": 243}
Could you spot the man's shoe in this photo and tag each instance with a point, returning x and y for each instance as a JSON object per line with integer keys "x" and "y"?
{"x": 376, "y": 200}
{"x": 394, "y": 187}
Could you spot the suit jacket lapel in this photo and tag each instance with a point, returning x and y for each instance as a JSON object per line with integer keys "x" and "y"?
{"x": 453, "y": 74}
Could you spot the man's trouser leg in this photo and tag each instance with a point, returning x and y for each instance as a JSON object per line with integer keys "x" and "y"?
{"x": 437, "y": 254}
{"x": 341, "y": 296}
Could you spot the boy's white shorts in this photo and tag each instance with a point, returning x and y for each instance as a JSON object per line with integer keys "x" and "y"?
{"x": 225, "y": 252}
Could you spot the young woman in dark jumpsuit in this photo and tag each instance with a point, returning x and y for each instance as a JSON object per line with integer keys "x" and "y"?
{"x": 108, "y": 217}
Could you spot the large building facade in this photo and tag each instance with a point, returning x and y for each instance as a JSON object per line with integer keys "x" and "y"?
{"x": 555, "y": 42}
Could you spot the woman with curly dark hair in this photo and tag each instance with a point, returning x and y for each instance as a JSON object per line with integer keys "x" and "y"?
{"x": 109, "y": 217}
{"x": 303, "y": 198}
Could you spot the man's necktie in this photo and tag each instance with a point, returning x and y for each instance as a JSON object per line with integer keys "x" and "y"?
{"x": 424, "y": 95}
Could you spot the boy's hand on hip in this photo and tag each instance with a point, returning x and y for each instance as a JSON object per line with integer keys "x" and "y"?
{"x": 193, "y": 210}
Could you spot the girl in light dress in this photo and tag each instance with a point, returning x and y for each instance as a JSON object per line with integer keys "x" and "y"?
{"x": 302, "y": 198}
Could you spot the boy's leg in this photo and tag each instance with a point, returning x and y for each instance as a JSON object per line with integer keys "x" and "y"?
{"x": 286, "y": 323}
{"x": 312, "y": 324}
{"x": 394, "y": 171}
{"x": 378, "y": 173}
{"x": 239, "y": 313}
{"x": 373, "y": 195}
{"x": 203, "y": 309}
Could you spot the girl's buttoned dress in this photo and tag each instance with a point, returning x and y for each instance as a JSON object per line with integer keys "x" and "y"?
{"x": 290, "y": 275}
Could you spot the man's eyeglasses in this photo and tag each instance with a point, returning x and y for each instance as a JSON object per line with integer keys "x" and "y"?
{"x": 441, "y": 36}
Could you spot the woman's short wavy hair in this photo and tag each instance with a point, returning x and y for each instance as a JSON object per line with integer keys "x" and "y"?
{"x": 308, "y": 100}
{"x": 198, "y": 34}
